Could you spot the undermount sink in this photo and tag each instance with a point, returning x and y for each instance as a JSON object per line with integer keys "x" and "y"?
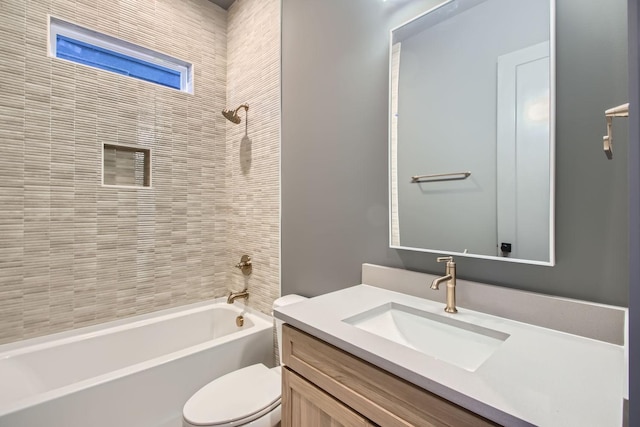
{"x": 440, "y": 336}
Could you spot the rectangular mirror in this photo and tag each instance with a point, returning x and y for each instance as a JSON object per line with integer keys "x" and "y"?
{"x": 472, "y": 124}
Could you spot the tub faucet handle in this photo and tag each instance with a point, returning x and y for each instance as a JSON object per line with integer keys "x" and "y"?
{"x": 245, "y": 265}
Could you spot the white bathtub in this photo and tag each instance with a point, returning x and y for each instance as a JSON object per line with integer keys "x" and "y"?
{"x": 136, "y": 372}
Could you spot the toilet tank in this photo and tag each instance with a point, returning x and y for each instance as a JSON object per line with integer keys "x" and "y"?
{"x": 281, "y": 302}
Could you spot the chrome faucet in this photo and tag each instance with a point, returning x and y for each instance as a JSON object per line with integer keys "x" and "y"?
{"x": 450, "y": 278}
{"x": 235, "y": 295}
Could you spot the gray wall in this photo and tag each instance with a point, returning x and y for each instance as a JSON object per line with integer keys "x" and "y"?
{"x": 634, "y": 213}
{"x": 334, "y": 152}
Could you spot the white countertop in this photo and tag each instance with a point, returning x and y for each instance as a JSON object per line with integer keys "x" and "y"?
{"x": 537, "y": 376}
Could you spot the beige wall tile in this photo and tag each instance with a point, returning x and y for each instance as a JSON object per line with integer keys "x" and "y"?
{"x": 76, "y": 253}
{"x": 253, "y": 151}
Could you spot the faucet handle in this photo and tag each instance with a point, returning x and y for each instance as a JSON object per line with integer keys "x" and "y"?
{"x": 444, "y": 258}
{"x": 245, "y": 265}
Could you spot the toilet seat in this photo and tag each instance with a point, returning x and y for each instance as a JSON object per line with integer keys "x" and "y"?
{"x": 235, "y": 398}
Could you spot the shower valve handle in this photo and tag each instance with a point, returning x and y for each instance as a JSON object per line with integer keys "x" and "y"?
{"x": 245, "y": 265}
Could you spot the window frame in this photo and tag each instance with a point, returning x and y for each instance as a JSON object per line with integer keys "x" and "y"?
{"x": 119, "y": 47}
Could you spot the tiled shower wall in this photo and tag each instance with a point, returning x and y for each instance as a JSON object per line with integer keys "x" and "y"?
{"x": 253, "y": 147}
{"x": 75, "y": 253}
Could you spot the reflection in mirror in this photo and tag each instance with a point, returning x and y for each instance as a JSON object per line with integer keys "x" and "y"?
{"x": 472, "y": 94}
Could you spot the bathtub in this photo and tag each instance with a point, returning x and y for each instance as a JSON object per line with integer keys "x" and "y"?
{"x": 135, "y": 372}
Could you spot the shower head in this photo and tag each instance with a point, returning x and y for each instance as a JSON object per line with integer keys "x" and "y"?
{"x": 232, "y": 116}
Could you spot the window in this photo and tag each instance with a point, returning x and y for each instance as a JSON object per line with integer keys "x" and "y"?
{"x": 83, "y": 46}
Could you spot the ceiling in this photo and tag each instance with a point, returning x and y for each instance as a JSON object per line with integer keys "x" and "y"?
{"x": 223, "y": 3}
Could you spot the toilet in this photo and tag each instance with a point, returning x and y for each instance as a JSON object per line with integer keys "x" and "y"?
{"x": 247, "y": 397}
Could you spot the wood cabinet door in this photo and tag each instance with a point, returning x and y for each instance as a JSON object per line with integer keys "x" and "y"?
{"x": 381, "y": 397}
{"x": 304, "y": 404}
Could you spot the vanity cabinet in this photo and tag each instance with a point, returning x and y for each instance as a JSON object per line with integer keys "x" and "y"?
{"x": 326, "y": 386}
{"x": 307, "y": 405}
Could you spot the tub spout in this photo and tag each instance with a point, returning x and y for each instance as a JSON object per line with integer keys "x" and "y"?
{"x": 235, "y": 295}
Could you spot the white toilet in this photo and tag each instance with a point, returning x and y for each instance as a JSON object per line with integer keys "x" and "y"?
{"x": 247, "y": 397}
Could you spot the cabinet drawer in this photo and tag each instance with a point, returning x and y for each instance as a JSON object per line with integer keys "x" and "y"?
{"x": 304, "y": 404}
{"x": 378, "y": 395}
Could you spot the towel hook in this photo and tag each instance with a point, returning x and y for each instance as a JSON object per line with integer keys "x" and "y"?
{"x": 619, "y": 111}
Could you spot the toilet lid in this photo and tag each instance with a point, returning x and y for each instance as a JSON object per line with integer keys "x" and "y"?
{"x": 235, "y": 396}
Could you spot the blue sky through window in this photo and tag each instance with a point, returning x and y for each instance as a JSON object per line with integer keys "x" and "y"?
{"x": 105, "y": 59}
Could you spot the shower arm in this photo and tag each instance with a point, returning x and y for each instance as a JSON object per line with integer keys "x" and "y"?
{"x": 245, "y": 106}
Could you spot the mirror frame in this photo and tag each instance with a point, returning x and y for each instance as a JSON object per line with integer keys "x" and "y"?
{"x": 552, "y": 147}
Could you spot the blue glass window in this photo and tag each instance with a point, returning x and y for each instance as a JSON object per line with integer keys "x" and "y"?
{"x": 105, "y": 59}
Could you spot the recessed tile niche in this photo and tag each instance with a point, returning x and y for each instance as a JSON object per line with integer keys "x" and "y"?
{"x": 126, "y": 166}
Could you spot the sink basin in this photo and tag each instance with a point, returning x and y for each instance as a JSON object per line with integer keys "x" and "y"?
{"x": 440, "y": 336}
